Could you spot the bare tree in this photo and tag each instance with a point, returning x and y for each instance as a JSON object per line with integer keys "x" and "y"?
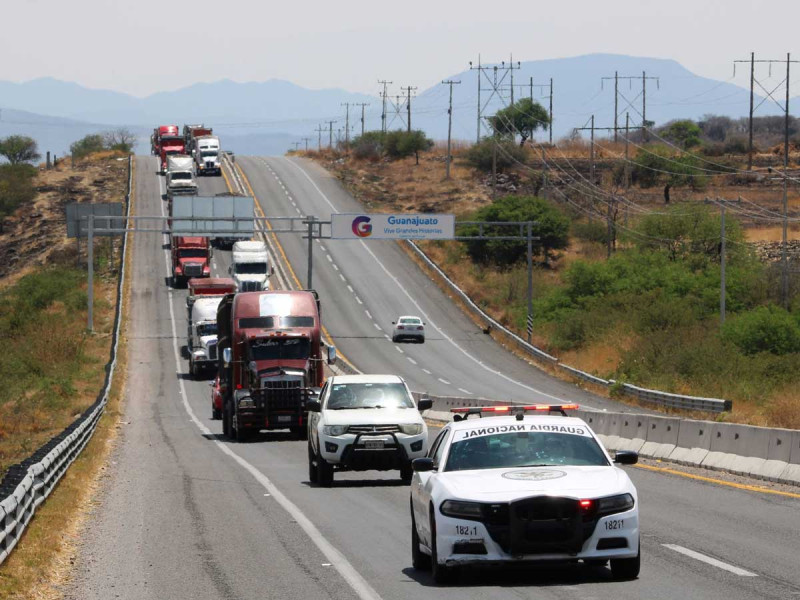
{"x": 120, "y": 138}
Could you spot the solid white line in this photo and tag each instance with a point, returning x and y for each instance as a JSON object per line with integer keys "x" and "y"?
{"x": 467, "y": 392}
{"x": 444, "y": 381}
{"x": 710, "y": 561}
{"x": 363, "y": 589}
{"x": 419, "y": 308}
{"x": 411, "y": 360}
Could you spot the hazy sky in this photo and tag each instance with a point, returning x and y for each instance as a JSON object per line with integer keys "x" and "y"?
{"x": 144, "y": 46}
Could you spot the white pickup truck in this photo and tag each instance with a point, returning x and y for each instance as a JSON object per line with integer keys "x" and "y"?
{"x": 250, "y": 267}
{"x": 180, "y": 175}
{"x": 206, "y": 155}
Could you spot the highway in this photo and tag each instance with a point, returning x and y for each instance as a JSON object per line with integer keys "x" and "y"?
{"x": 185, "y": 513}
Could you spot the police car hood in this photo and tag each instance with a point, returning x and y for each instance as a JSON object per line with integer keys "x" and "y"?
{"x": 505, "y": 485}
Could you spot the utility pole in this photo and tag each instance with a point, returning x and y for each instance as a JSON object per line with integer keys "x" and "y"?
{"x": 320, "y": 129}
{"x": 330, "y": 134}
{"x": 611, "y": 222}
{"x": 496, "y": 83}
{"x": 296, "y": 145}
{"x": 784, "y": 238}
{"x": 383, "y": 97}
{"x": 630, "y": 79}
{"x": 451, "y": 83}
{"x": 512, "y": 67}
{"x": 592, "y": 128}
{"x": 627, "y": 163}
{"x": 592, "y": 152}
{"x": 408, "y": 90}
{"x": 346, "y": 124}
{"x": 479, "y": 68}
{"x": 722, "y": 253}
{"x": 551, "y": 112}
{"x": 306, "y": 140}
{"x": 362, "y": 105}
{"x": 752, "y": 62}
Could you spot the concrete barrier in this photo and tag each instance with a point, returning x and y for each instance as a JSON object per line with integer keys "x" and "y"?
{"x": 738, "y": 448}
{"x": 792, "y": 471}
{"x": 632, "y": 432}
{"x": 694, "y": 441}
{"x": 662, "y": 436}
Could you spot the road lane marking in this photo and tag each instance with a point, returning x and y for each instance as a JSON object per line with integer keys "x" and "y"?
{"x": 428, "y": 372}
{"x": 378, "y": 327}
{"x": 444, "y": 381}
{"x": 419, "y": 308}
{"x": 369, "y": 315}
{"x": 328, "y": 256}
{"x": 340, "y": 275}
{"x": 467, "y": 392}
{"x": 710, "y": 561}
{"x": 335, "y": 268}
{"x": 740, "y": 486}
{"x": 411, "y": 360}
{"x": 359, "y": 585}
{"x": 350, "y": 287}
{"x": 399, "y": 349}
{"x": 359, "y": 300}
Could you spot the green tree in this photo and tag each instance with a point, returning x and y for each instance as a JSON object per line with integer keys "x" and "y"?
{"x": 764, "y": 329}
{"x": 686, "y": 133}
{"x": 87, "y": 145}
{"x": 482, "y": 154}
{"x": 658, "y": 165}
{"x": 523, "y": 117}
{"x": 551, "y": 229}
{"x": 16, "y": 188}
{"x": 399, "y": 144}
{"x": 120, "y": 139}
{"x": 19, "y": 149}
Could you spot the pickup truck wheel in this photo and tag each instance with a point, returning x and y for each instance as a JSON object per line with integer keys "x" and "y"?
{"x": 324, "y": 472}
{"x": 313, "y": 475}
{"x": 406, "y": 472}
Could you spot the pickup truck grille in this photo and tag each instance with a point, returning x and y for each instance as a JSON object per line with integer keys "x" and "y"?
{"x": 376, "y": 429}
{"x": 193, "y": 269}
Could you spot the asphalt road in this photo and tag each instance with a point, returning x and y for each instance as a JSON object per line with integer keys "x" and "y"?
{"x": 187, "y": 514}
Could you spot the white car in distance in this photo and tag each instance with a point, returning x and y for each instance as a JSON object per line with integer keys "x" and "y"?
{"x": 408, "y": 328}
{"x": 519, "y": 489}
{"x": 364, "y": 422}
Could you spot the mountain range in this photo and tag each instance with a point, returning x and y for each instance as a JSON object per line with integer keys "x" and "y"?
{"x": 266, "y": 117}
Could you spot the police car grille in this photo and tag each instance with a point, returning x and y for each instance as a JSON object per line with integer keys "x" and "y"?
{"x": 377, "y": 429}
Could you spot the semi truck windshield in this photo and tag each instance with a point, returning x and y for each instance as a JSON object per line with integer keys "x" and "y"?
{"x": 275, "y": 349}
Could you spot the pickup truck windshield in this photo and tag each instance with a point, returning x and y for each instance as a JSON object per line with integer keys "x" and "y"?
{"x": 192, "y": 253}
{"x": 368, "y": 395}
{"x": 250, "y": 268}
{"x": 482, "y": 449}
{"x": 275, "y": 349}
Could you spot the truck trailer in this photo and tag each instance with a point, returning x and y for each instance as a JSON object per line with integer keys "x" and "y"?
{"x": 269, "y": 360}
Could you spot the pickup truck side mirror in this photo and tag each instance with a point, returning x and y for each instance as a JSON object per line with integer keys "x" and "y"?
{"x": 331, "y": 355}
{"x": 226, "y": 357}
{"x": 425, "y": 404}
{"x": 313, "y": 406}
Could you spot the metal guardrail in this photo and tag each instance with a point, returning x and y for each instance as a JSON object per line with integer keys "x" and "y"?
{"x": 29, "y": 483}
{"x": 657, "y": 397}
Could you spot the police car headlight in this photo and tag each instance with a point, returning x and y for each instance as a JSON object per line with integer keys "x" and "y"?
{"x": 334, "y": 430}
{"x": 411, "y": 428}
{"x": 614, "y": 504}
{"x": 462, "y": 510}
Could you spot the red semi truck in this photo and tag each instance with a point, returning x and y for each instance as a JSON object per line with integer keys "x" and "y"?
{"x": 190, "y": 258}
{"x": 158, "y": 133}
{"x": 270, "y": 360}
{"x": 190, "y": 132}
{"x": 169, "y": 145}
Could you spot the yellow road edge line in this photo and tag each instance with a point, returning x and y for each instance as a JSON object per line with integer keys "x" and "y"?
{"x": 741, "y": 486}
{"x": 260, "y": 213}
{"x": 227, "y": 181}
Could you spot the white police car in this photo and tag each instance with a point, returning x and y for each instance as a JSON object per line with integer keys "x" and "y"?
{"x": 522, "y": 488}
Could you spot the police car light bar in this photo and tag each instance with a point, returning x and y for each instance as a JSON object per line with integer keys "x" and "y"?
{"x": 465, "y": 411}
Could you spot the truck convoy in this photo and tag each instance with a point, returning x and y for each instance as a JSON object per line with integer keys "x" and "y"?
{"x": 180, "y": 175}
{"x": 206, "y": 155}
{"x": 250, "y": 267}
{"x": 190, "y": 132}
{"x": 190, "y": 258}
{"x": 202, "y": 302}
{"x": 270, "y": 360}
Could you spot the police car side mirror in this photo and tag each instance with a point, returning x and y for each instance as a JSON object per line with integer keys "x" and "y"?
{"x": 425, "y": 404}
{"x": 313, "y": 406}
{"x": 626, "y": 457}
{"x": 421, "y": 465}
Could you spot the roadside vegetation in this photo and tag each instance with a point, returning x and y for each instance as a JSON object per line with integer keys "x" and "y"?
{"x": 640, "y": 307}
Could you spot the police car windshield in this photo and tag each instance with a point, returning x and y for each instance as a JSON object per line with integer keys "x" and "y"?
{"x": 368, "y": 395}
{"x": 523, "y": 445}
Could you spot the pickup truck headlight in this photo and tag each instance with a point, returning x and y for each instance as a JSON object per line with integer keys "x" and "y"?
{"x": 411, "y": 428}
{"x": 246, "y": 402}
{"x": 334, "y": 430}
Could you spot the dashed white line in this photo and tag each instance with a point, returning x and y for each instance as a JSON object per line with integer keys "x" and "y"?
{"x": 378, "y": 327}
{"x": 411, "y": 360}
{"x": 359, "y": 300}
{"x": 428, "y": 372}
{"x": 710, "y": 561}
{"x": 444, "y": 381}
{"x": 467, "y": 392}
{"x": 399, "y": 349}
{"x": 328, "y": 256}
{"x": 340, "y": 275}
{"x": 350, "y": 287}
{"x": 369, "y": 316}
{"x": 335, "y": 268}
{"x": 387, "y": 336}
